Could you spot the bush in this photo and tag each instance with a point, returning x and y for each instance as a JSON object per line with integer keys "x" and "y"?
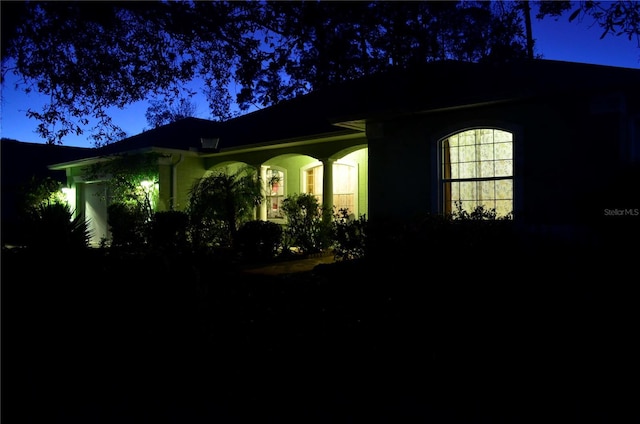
{"x": 478, "y": 233}
{"x": 305, "y": 228}
{"x": 221, "y": 203}
{"x": 127, "y": 225}
{"x": 168, "y": 231}
{"x": 205, "y": 233}
{"x": 259, "y": 240}
{"x": 52, "y": 227}
{"x": 350, "y": 236}
{"x": 481, "y": 229}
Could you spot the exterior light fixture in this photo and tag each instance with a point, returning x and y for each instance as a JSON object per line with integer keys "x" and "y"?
{"x": 146, "y": 184}
{"x": 209, "y": 143}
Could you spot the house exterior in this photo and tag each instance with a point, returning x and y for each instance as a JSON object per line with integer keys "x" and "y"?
{"x": 21, "y": 163}
{"x": 555, "y": 144}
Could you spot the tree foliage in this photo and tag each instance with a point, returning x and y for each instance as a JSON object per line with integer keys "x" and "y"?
{"x": 224, "y": 198}
{"x": 91, "y": 57}
{"x": 131, "y": 180}
{"x": 160, "y": 113}
{"x": 616, "y": 18}
{"x": 88, "y": 57}
{"x": 38, "y": 192}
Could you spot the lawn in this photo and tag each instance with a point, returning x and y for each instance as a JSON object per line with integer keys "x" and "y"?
{"x": 546, "y": 338}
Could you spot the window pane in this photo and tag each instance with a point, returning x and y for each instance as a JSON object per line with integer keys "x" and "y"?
{"x": 455, "y": 190}
{"x": 466, "y": 138}
{"x": 344, "y": 186}
{"x": 487, "y": 190}
{"x": 502, "y": 136}
{"x": 344, "y": 201}
{"x": 503, "y": 207}
{"x": 504, "y": 168}
{"x": 274, "y": 207}
{"x": 454, "y": 156}
{"x": 487, "y": 169}
{"x": 486, "y": 152}
{"x": 314, "y": 180}
{"x": 504, "y": 150}
{"x": 504, "y": 189}
{"x": 344, "y": 177}
{"x": 468, "y": 191}
{"x": 485, "y": 136}
{"x": 467, "y": 154}
{"x": 466, "y": 170}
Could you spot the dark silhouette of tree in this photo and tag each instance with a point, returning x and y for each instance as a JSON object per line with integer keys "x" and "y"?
{"x": 160, "y": 113}
{"x": 616, "y": 18}
{"x": 329, "y": 42}
{"x": 89, "y": 57}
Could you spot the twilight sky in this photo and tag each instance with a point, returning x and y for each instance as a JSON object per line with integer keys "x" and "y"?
{"x": 555, "y": 40}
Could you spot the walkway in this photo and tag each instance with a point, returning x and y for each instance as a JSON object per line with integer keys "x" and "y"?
{"x": 293, "y": 266}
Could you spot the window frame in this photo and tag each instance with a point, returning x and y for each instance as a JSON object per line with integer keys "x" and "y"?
{"x": 283, "y": 196}
{"x": 440, "y": 179}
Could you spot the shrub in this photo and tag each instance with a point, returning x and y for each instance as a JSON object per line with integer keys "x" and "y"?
{"x": 477, "y": 233}
{"x": 52, "y": 226}
{"x": 168, "y": 231}
{"x": 259, "y": 240}
{"x": 130, "y": 175}
{"x": 480, "y": 229}
{"x": 205, "y": 232}
{"x": 350, "y": 235}
{"x": 222, "y": 202}
{"x": 305, "y": 228}
{"x": 127, "y": 224}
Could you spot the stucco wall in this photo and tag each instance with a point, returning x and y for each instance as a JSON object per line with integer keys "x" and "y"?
{"x": 164, "y": 184}
{"x": 95, "y": 211}
{"x": 188, "y": 171}
{"x": 361, "y": 158}
{"x": 399, "y": 169}
{"x": 563, "y": 149}
{"x": 292, "y": 159}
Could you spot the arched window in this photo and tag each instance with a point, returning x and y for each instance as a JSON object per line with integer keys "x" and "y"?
{"x": 275, "y": 193}
{"x": 477, "y": 170}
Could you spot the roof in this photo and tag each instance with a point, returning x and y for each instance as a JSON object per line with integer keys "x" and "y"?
{"x": 343, "y": 108}
{"x": 184, "y": 134}
{"x": 443, "y": 85}
{"x": 22, "y": 160}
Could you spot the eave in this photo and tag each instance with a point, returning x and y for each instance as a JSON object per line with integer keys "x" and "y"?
{"x": 99, "y": 159}
{"x": 292, "y": 142}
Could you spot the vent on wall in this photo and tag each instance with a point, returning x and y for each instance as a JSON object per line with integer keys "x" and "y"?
{"x": 209, "y": 143}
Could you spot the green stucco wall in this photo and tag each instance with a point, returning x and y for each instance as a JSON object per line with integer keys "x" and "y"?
{"x": 292, "y": 159}
{"x": 361, "y": 158}
{"x": 188, "y": 172}
{"x": 164, "y": 184}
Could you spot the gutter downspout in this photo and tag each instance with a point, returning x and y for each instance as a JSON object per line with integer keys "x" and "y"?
{"x": 174, "y": 182}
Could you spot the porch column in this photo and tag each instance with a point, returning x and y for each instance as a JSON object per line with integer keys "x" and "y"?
{"x": 264, "y": 189}
{"x": 327, "y": 188}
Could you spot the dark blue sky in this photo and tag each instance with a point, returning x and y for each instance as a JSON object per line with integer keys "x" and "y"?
{"x": 555, "y": 40}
